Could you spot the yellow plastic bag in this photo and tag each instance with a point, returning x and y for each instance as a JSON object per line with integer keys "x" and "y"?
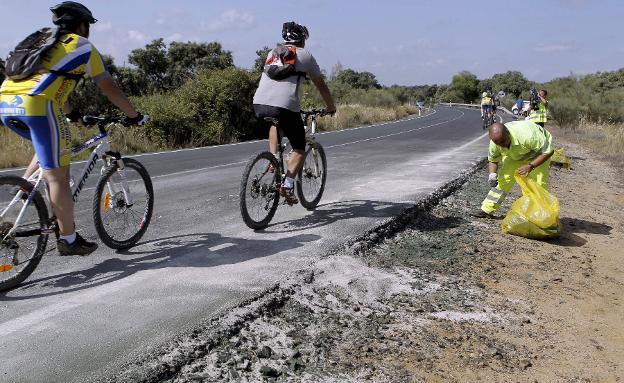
{"x": 534, "y": 215}
{"x": 561, "y": 159}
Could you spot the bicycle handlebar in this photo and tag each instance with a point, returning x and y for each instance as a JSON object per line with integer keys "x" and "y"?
{"x": 92, "y": 120}
{"x": 315, "y": 112}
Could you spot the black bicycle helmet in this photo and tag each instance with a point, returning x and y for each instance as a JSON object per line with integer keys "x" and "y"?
{"x": 293, "y": 32}
{"x": 71, "y": 12}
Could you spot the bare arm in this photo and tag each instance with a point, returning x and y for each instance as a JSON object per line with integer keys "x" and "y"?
{"x": 325, "y": 93}
{"x": 526, "y": 169}
{"x": 116, "y": 96}
{"x": 492, "y": 167}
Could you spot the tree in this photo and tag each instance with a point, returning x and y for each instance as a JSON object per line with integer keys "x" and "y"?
{"x": 186, "y": 59}
{"x": 511, "y": 82}
{"x": 261, "y": 59}
{"x": 88, "y": 99}
{"x": 152, "y": 62}
{"x": 465, "y": 86}
{"x": 169, "y": 67}
{"x": 357, "y": 80}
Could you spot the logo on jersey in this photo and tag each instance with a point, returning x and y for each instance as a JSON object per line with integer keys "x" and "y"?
{"x": 13, "y": 107}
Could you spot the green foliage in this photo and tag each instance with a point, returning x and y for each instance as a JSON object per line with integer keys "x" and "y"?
{"x": 214, "y": 108}
{"x": 88, "y": 99}
{"x": 596, "y": 97}
{"x": 261, "y": 59}
{"x": 513, "y": 83}
{"x": 168, "y": 68}
{"x": 464, "y": 87}
{"x": 356, "y": 80}
{"x": 152, "y": 62}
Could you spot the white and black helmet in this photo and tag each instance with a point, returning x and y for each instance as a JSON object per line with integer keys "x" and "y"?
{"x": 293, "y": 32}
{"x": 71, "y": 12}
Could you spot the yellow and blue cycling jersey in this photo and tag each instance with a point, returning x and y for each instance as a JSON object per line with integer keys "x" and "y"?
{"x": 32, "y": 107}
{"x": 486, "y": 104}
{"x": 71, "y": 54}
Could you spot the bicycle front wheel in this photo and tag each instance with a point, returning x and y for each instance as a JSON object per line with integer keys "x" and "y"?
{"x": 258, "y": 191}
{"x": 21, "y": 245}
{"x": 123, "y": 204}
{"x": 312, "y": 176}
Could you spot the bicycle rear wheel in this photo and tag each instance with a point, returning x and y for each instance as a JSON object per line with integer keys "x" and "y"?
{"x": 312, "y": 176}
{"x": 123, "y": 204}
{"x": 258, "y": 191}
{"x": 20, "y": 251}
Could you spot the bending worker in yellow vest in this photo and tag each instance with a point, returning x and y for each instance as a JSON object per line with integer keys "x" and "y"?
{"x": 523, "y": 147}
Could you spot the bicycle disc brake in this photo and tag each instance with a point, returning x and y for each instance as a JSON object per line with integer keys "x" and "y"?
{"x": 9, "y": 244}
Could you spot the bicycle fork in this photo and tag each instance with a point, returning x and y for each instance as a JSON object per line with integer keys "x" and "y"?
{"x": 125, "y": 188}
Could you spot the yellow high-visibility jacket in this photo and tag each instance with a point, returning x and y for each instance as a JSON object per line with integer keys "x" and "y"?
{"x": 539, "y": 115}
{"x": 528, "y": 140}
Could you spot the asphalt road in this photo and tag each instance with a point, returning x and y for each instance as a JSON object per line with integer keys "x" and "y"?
{"x": 78, "y": 319}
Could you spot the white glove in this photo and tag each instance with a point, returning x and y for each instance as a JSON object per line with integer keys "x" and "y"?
{"x": 493, "y": 179}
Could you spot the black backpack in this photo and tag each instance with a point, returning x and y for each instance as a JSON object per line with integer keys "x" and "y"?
{"x": 280, "y": 64}
{"x": 26, "y": 59}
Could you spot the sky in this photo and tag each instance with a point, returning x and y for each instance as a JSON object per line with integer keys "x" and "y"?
{"x": 405, "y": 42}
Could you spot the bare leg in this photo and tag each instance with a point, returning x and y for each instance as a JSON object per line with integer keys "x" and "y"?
{"x": 295, "y": 162}
{"x": 273, "y": 139}
{"x": 61, "y": 199}
{"x": 32, "y": 167}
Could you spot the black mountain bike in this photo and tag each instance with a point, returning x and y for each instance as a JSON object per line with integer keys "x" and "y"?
{"x": 264, "y": 173}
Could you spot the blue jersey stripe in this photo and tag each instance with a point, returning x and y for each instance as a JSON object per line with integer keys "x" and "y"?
{"x": 49, "y": 79}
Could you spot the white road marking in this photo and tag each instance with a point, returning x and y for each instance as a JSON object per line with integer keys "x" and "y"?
{"x": 395, "y": 134}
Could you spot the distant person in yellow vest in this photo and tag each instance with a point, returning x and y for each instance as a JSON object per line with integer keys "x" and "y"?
{"x": 523, "y": 147}
{"x": 540, "y": 115}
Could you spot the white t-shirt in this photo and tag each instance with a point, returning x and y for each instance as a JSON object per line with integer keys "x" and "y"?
{"x": 285, "y": 93}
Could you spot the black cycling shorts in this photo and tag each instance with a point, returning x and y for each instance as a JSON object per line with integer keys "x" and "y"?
{"x": 290, "y": 122}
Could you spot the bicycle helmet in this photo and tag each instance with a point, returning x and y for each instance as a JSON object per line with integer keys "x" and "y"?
{"x": 293, "y": 32}
{"x": 71, "y": 12}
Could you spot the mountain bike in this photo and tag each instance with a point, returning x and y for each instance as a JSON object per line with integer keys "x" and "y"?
{"x": 264, "y": 173}
{"x": 122, "y": 205}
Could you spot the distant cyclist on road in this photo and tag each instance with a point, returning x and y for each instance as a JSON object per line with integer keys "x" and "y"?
{"x": 486, "y": 104}
{"x": 35, "y": 107}
{"x": 278, "y": 98}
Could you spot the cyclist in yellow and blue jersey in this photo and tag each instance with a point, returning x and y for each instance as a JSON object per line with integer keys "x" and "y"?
{"x": 36, "y": 107}
{"x": 486, "y": 103}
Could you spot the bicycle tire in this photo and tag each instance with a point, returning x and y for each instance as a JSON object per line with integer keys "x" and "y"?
{"x": 120, "y": 207}
{"x": 316, "y": 154}
{"x": 41, "y": 241}
{"x": 265, "y": 192}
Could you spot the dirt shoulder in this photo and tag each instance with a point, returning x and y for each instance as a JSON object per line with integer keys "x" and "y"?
{"x": 449, "y": 299}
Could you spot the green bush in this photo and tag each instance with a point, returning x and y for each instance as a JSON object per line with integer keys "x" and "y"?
{"x": 214, "y": 108}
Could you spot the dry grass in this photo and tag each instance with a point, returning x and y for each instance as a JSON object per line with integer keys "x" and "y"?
{"x": 18, "y": 152}
{"x": 604, "y": 138}
{"x": 349, "y": 116}
{"x": 14, "y": 151}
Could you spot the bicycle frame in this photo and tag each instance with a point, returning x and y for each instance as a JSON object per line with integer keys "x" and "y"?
{"x": 101, "y": 151}
{"x": 310, "y": 140}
